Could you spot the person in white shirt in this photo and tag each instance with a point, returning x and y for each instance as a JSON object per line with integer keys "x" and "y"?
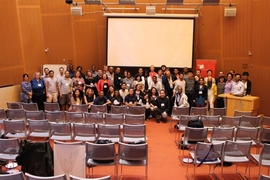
{"x": 181, "y": 99}
{"x": 61, "y": 74}
{"x": 65, "y": 89}
{"x": 51, "y": 88}
{"x": 123, "y": 91}
{"x": 159, "y": 76}
{"x": 238, "y": 86}
{"x": 179, "y": 82}
{"x": 155, "y": 83}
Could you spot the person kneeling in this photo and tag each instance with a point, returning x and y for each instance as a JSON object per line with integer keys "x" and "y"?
{"x": 162, "y": 107}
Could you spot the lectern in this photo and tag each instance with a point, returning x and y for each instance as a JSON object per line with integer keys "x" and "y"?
{"x": 246, "y": 103}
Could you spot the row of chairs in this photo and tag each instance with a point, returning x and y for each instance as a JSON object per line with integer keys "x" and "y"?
{"x": 229, "y": 151}
{"x": 74, "y": 131}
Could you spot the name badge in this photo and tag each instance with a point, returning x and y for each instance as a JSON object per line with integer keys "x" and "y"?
{"x": 91, "y": 84}
{"x": 162, "y": 104}
{"x": 105, "y": 86}
{"x": 200, "y": 92}
{"x": 77, "y": 104}
{"x": 39, "y": 85}
{"x": 67, "y": 84}
{"x": 130, "y": 102}
{"x": 79, "y": 82}
{"x": 128, "y": 85}
{"x": 119, "y": 78}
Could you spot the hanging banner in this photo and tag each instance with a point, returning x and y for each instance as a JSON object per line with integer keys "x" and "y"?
{"x": 205, "y": 64}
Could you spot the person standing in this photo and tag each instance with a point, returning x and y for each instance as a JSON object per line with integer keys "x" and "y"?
{"x": 65, "y": 90}
{"x": 51, "y": 88}
{"x": 39, "y": 90}
{"x": 200, "y": 94}
{"x": 60, "y": 75}
{"x": 211, "y": 91}
{"x": 78, "y": 81}
{"x": 247, "y": 83}
{"x": 190, "y": 88}
{"x": 220, "y": 90}
{"x": 128, "y": 80}
{"x": 117, "y": 80}
{"x": 26, "y": 94}
{"x": 228, "y": 85}
{"x": 103, "y": 84}
{"x": 238, "y": 86}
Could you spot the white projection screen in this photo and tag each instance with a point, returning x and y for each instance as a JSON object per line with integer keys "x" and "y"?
{"x": 143, "y": 41}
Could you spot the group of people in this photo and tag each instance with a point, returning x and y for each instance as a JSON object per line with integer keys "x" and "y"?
{"x": 158, "y": 91}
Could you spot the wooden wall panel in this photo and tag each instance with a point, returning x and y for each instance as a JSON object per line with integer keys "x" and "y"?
{"x": 54, "y": 7}
{"x": 58, "y": 37}
{"x": 12, "y": 75}
{"x": 28, "y": 2}
{"x": 32, "y": 37}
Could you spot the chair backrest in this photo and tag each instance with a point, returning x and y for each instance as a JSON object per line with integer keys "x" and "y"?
{"x": 198, "y": 111}
{"x": 15, "y": 176}
{"x": 114, "y": 118}
{"x": 60, "y": 129}
{"x": 134, "y": 119}
{"x": 38, "y": 126}
{"x": 108, "y": 131}
{"x": 118, "y": 109}
{"x": 136, "y": 110}
{"x": 134, "y": 131}
{"x": 242, "y": 113}
{"x": 246, "y": 133}
{"x": 51, "y": 106}
{"x": 229, "y": 121}
{"x": 2, "y": 114}
{"x": 250, "y": 121}
{"x": 37, "y": 115}
{"x": 74, "y": 117}
{"x": 85, "y": 130}
{"x": 55, "y": 116}
{"x": 15, "y": 128}
{"x": 210, "y": 121}
{"x": 57, "y": 177}
{"x": 265, "y": 121}
{"x": 264, "y": 153}
{"x": 184, "y": 119}
{"x": 100, "y": 151}
{"x": 16, "y": 114}
{"x": 222, "y": 134}
{"x": 79, "y": 178}
{"x": 217, "y": 111}
{"x": 79, "y": 108}
{"x": 208, "y": 149}
{"x": 178, "y": 111}
{"x": 195, "y": 134}
{"x": 264, "y": 135}
{"x": 14, "y": 105}
{"x": 9, "y": 146}
{"x": 98, "y": 108}
{"x": 264, "y": 177}
{"x": 133, "y": 152}
{"x": 30, "y": 106}
{"x": 237, "y": 149}
{"x": 96, "y": 118}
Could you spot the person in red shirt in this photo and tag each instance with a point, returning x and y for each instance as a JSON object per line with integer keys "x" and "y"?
{"x": 152, "y": 71}
{"x": 103, "y": 84}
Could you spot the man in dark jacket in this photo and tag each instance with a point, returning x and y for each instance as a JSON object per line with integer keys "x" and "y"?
{"x": 162, "y": 107}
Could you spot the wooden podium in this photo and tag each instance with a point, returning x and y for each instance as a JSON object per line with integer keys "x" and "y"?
{"x": 246, "y": 103}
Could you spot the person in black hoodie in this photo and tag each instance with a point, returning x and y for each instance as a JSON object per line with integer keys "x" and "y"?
{"x": 162, "y": 107}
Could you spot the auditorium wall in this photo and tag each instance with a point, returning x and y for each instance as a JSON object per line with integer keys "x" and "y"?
{"x": 28, "y": 27}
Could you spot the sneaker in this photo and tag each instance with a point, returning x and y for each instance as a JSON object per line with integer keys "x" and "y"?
{"x": 158, "y": 121}
{"x": 176, "y": 126}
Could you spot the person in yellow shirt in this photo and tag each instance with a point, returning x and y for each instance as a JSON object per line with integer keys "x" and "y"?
{"x": 212, "y": 91}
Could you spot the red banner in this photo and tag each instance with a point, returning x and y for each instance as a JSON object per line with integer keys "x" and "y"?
{"x": 205, "y": 64}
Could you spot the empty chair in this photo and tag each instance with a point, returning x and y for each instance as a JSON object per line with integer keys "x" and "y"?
{"x": 264, "y": 177}
{"x": 198, "y": 111}
{"x": 15, "y": 176}
{"x": 192, "y": 136}
{"x": 134, "y": 133}
{"x": 108, "y": 131}
{"x": 79, "y": 108}
{"x": 242, "y": 113}
{"x": 14, "y": 105}
{"x": 60, "y": 131}
{"x": 9, "y": 150}
{"x": 51, "y": 106}
{"x": 263, "y": 159}
{"x": 74, "y": 117}
{"x": 264, "y": 136}
{"x": 30, "y": 106}
{"x": 118, "y": 109}
{"x": 217, "y": 112}
{"x": 15, "y": 129}
{"x": 15, "y": 114}
{"x": 100, "y": 155}
{"x": 134, "y": 119}
{"x": 250, "y": 121}
{"x": 265, "y": 122}
{"x": 38, "y": 128}
{"x": 133, "y": 155}
{"x": 236, "y": 152}
{"x": 229, "y": 121}
{"x": 220, "y": 134}
{"x": 36, "y": 115}
{"x": 176, "y": 114}
{"x": 84, "y": 132}
{"x": 98, "y": 108}
{"x": 210, "y": 121}
{"x": 244, "y": 134}
{"x": 96, "y": 118}
{"x": 207, "y": 154}
{"x": 79, "y": 178}
{"x": 114, "y": 119}
{"x": 136, "y": 110}
{"x": 57, "y": 177}
{"x": 55, "y": 116}
{"x": 2, "y": 116}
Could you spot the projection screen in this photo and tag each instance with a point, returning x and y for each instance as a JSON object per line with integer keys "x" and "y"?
{"x": 143, "y": 41}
